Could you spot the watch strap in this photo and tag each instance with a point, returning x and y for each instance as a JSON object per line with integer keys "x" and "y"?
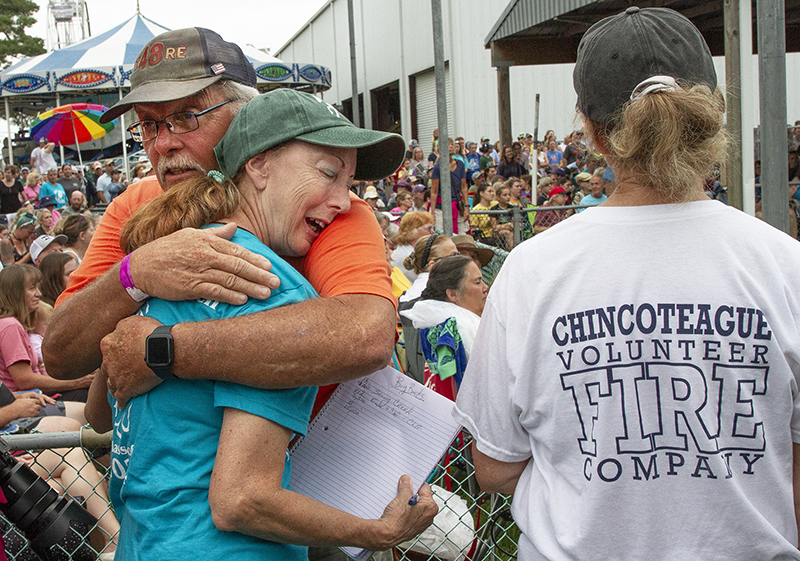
{"x": 162, "y": 371}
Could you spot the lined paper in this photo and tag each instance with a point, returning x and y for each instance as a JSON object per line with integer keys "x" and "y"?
{"x": 370, "y": 432}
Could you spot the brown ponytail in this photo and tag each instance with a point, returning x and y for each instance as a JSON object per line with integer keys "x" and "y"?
{"x": 192, "y": 203}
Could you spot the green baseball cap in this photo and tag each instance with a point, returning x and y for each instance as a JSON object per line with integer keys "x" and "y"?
{"x": 281, "y": 115}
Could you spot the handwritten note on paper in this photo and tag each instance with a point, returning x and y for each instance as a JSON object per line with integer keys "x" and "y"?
{"x": 372, "y": 431}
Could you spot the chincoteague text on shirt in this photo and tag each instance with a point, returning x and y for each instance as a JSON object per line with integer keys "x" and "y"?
{"x": 666, "y": 389}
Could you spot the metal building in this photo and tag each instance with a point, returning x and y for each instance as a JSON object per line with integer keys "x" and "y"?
{"x": 394, "y": 58}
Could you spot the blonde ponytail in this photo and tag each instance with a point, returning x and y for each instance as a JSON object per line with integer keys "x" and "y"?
{"x": 668, "y": 140}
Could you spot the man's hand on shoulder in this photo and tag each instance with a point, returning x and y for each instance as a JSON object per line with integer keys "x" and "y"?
{"x": 123, "y": 359}
{"x": 201, "y": 264}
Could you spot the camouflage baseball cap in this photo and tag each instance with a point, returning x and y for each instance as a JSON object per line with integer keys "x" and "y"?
{"x": 181, "y": 63}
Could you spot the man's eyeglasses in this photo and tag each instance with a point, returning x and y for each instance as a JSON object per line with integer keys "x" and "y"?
{"x": 177, "y": 123}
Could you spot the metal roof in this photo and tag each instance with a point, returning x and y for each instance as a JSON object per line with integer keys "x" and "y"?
{"x": 521, "y": 15}
{"x": 548, "y": 31}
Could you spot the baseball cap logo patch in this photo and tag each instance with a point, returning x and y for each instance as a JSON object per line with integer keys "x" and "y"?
{"x": 218, "y": 68}
{"x": 155, "y": 53}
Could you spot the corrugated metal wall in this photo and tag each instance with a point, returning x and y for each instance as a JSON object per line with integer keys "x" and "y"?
{"x": 427, "y": 114}
{"x": 473, "y": 80}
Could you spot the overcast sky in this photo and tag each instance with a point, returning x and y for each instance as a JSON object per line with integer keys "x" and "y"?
{"x": 265, "y": 24}
{"x": 270, "y": 26}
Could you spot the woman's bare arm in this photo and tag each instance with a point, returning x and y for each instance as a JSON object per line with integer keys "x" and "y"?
{"x": 98, "y": 410}
{"x": 26, "y": 379}
{"x": 495, "y": 476}
{"x": 246, "y": 495}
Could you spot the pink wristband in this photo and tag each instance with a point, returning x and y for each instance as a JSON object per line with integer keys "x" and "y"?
{"x": 127, "y": 282}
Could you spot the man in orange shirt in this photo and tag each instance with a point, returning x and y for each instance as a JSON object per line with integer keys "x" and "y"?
{"x": 186, "y": 87}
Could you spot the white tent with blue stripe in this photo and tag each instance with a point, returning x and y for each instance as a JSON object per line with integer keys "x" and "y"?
{"x": 98, "y": 69}
{"x": 99, "y": 58}
{"x": 105, "y": 62}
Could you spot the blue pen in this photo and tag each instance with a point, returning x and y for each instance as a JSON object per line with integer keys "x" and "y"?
{"x": 413, "y": 500}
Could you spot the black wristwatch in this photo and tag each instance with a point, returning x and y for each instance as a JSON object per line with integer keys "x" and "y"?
{"x": 160, "y": 352}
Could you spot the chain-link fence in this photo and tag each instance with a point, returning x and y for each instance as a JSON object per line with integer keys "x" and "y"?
{"x": 75, "y": 466}
{"x": 520, "y": 220}
{"x": 471, "y": 525}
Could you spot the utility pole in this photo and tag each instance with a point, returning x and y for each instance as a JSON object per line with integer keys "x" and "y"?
{"x": 353, "y": 75}
{"x": 441, "y": 112}
{"x": 772, "y": 97}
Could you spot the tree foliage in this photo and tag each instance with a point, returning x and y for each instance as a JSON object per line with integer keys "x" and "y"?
{"x": 15, "y": 16}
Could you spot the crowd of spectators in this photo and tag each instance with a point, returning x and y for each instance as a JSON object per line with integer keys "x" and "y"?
{"x": 96, "y": 183}
{"x": 37, "y": 256}
{"x": 31, "y": 399}
{"x": 793, "y": 146}
{"x": 490, "y": 176}
{"x": 486, "y": 176}
{"x": 56, "y": 203}
{"x": 45, "y": 228}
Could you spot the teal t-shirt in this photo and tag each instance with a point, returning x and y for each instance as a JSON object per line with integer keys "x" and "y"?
{"x": 590, "y": 200}
{"x": 56, "y": 191}
{"x": 165, "y": 441}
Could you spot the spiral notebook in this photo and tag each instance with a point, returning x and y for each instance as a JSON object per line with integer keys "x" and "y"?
{"x": 369, "y": 433}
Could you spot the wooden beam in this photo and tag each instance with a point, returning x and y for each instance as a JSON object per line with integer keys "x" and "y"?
{"x": 563, "y": 33}
{"x": 703, "y": 9}
{"x": 518, "y": 51}
{"x": 733, "y": 102}
{"x": 504, "y": 105}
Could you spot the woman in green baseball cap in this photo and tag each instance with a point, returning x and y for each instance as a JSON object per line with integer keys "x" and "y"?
{"x": 286, "y": 164}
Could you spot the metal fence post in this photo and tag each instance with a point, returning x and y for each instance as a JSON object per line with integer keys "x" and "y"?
{"x": 441, "y": 114}
{"x": 517, "y": 227}
{"x": 771, "y": 22}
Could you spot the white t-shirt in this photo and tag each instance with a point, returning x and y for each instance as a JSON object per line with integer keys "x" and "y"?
{"x": 43, "y": 160}
{"x": 399, "y": 255}
{"x": 102, "y": 186}
{"x": 653, "y": 380}
{"x": 416, "y": 288}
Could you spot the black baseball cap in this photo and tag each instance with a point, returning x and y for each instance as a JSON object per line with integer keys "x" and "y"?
{"x": 621, "y": 51}
{"x": 179, "y": 64}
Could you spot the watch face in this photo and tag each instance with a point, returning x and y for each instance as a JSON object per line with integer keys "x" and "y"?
{"x": 158, "y": 351}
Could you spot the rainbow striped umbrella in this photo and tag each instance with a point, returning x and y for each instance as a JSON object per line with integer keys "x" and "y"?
{"x": 70, "y": 124}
